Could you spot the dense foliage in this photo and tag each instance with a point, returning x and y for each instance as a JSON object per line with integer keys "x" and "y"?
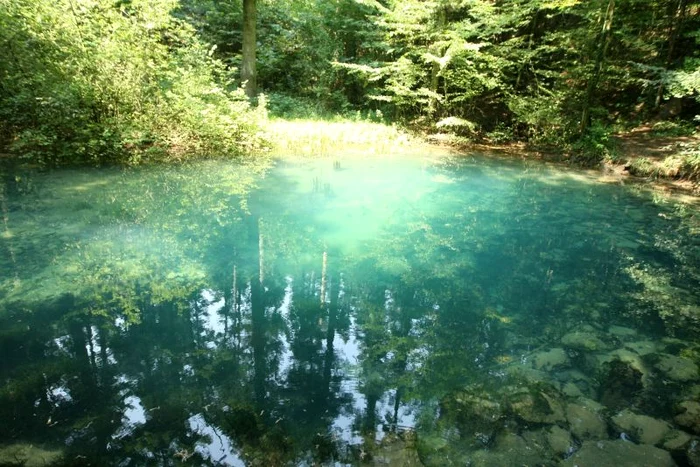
{"x": 561, "y": 72}
{"x": 103, "y": 81}
{"x": 89, "y": 80}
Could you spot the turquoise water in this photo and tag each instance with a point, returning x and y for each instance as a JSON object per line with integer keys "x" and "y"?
{"x": 378, "y": 311}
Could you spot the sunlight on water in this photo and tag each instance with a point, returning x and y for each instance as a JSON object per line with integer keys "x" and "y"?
{"x": 400, "y": 310}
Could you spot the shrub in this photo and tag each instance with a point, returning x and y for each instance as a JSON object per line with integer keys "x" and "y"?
{"x": 103, "y": 82}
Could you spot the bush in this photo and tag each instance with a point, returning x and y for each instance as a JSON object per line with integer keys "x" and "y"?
{"x": 594, "y": 146}
{"x": 672, "y": 128}
{"x": 114, "y": 83}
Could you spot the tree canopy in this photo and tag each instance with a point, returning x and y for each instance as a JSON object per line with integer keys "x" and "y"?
{"x": 104, "y": 80}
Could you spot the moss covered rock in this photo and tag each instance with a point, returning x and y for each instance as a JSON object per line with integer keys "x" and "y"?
{"x": 641, "y": 428}
{"x": 688, "y": 415}
{"x": 619, "y": 453}
{"x": 537, "y": 404}
{"x": 550, "y": 360}
{"x": 586, "y": 420}
{"x": 477, "y": 415}
{"x": 584, "y": 341}
{"x": 677, "y": 368}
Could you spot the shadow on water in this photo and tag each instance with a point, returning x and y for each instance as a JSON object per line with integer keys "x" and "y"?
{"x": 397, "y": 311}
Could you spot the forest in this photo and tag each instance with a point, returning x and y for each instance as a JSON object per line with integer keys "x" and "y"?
{"x": 131, "y": 81}
{"x": 350, "y": 232}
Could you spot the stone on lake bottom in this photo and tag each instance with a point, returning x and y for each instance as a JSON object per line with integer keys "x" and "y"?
{"x": 676, "y": 440}
{"x": 550, "y": 359}
{"x": 689, "y": 416}
{"x": 583, "y": 341}
{"x": 622, "y": 332}
{"x": 559, "y": 440}
{"x": 641, "y": 428}
{"x": 619, "y": 453}
{"x": 585, "y": 420}
{"x": 642, "y": 348}
{"x": 677, "y": 368}
{"x": 537, "y": 406}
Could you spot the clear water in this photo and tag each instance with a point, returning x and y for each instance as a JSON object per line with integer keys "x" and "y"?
{"x": 396, "y": 310}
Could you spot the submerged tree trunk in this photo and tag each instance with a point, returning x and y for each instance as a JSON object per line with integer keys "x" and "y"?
{"x": 248, "y": 69}
{"x": 257, "y": 305}
{"x": 603, "y": 42}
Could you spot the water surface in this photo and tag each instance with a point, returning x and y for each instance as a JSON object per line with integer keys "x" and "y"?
{"x": 398, "y": 310}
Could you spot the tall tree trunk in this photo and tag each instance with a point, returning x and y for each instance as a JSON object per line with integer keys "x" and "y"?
{"x": 248, "y": 70}
{"x": 436, "y": 67}
{"x": 674, "y": 32}
{"x": 603, "y": 42}
{"x": 530, "y": 43}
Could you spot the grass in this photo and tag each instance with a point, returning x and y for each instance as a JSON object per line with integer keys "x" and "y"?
{"x": 684, "y": 164}
{"x": 323, "y": 138}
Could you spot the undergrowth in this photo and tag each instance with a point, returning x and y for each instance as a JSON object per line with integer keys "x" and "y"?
{"x": 685, "y": 164}
{"x": 314, "y": 138}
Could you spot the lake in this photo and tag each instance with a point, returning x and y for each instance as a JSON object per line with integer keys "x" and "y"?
{"x": 397, "y": 310}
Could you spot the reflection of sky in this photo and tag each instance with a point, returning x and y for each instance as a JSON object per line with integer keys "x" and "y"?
{"x": 94, "y": 350}
{"x": 287, "y": 357}
{"x": 385, "y": 411}
{"x": 58, "y": 395}
{"x": 212, "y": 316}
{"x": 216, "y": 446}
{"x": 342, "y": 426}
{"x": 134, "y": 415}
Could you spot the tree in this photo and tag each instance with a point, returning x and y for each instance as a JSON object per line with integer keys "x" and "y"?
{"x": 103, "y": 82}
{"x": 603, "y": 42}
{"x": 674, "y": 30}
{"x": 248, "y": 68}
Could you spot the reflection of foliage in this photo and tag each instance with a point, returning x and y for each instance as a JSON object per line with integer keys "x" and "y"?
{"x": 143, "y": 234}
{"x": 133, "y": 296}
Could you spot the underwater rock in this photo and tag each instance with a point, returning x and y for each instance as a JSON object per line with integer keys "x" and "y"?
{"x": 632, "y": 359}
{"x": 537, "y": 405}
{"x": 642, "y": 348}
{"x": 586, "y": 420}
{"x": 621, "y": 384}
{"x": 509, "y": 450}
{"x": 622, "y": 332}
{"x": 28, "y": 455}
{"x": 550, "y": 359}
{"x": 529, "y": 375}
{"x": 677, "y": 368}
{"x": 477, "y": 416}
{"x": 688, "y": 415}
{"x": 692, "y": 392}
{"x": 619, "y": 453}
{"x": 396, "y": 450}
{"x": 571, "y": 390}
{"x": 575, "y": 384}
{"x": 553, "y": 442}
{"x": 432, "y": 445}
{"x": 692, "y": 453}
{"x": 583, "y": 341}
{"x": 559, "y": 440}
{"x": 641, "y": 428}
{"x": 676, "y": 440}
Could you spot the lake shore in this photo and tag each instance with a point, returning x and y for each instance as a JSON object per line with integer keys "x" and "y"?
{"x": 640, "y": 158}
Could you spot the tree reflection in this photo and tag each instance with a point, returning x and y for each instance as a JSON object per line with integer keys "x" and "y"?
{"x": 214, "y": 334}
